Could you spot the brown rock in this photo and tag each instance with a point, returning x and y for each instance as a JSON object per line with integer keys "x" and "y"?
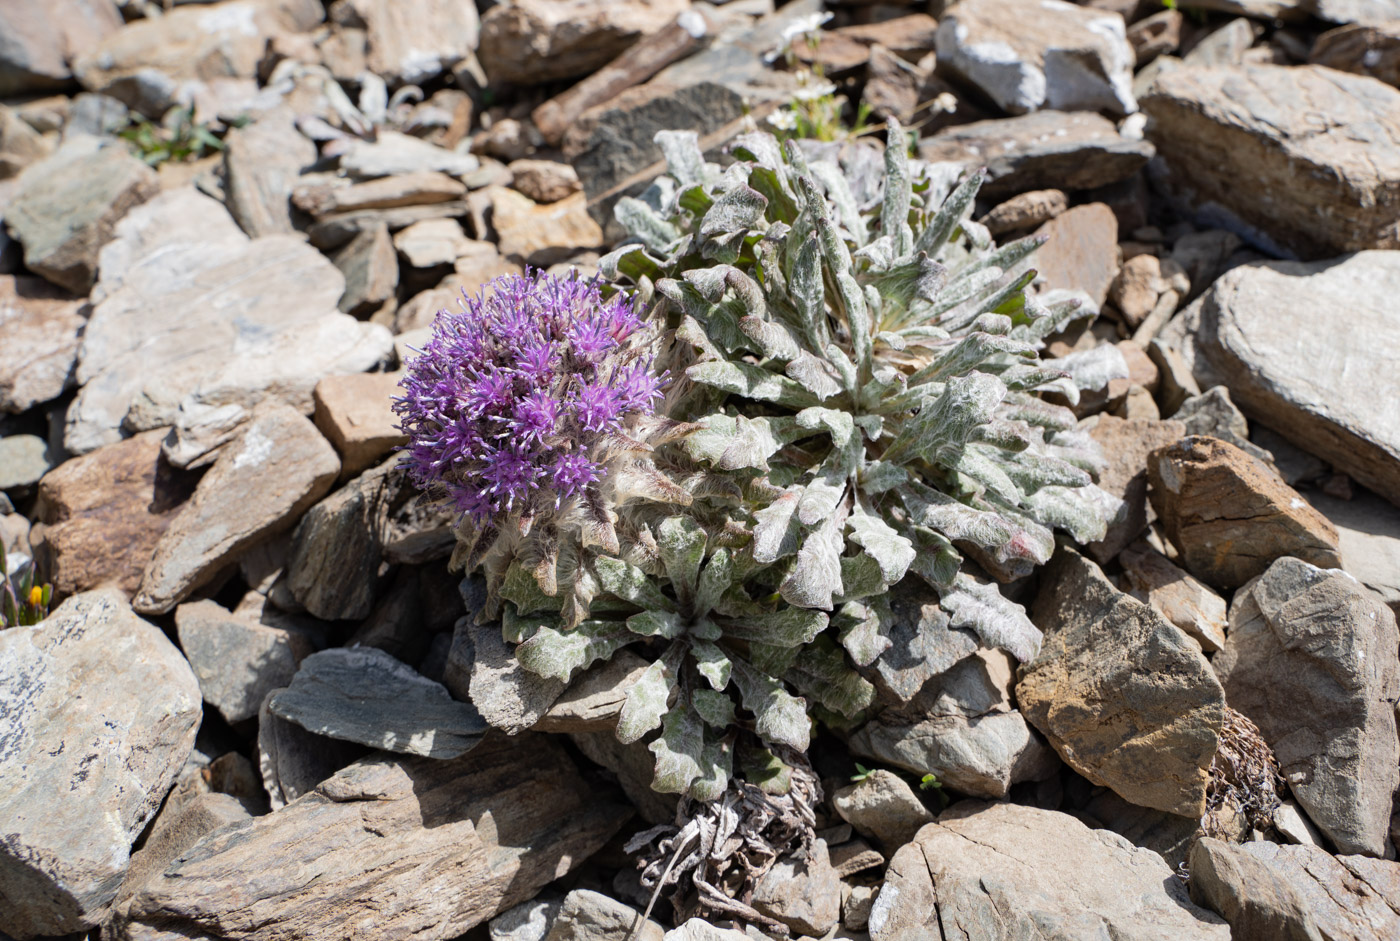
{"x": 42, "y": 37}
{"x": 882, "y": 805}
{"x": 593, "y": 701}
{"x": 544, "y": 181}
{"x": 433, "y": 242}
{"x": 804, "y": 894}
{"x": 1127, "y": 443}
{"x": 463, "y": 839}
{"x": 1372, "y": 50}
{"x": 910, "y": 91}
{"x": 1126, "y": 698}
{"x": 1142, "y": 282}
{"x": 103, "y": 513}
{"x": 1230, "y": 515}
{"x": 42, "y": 327}
{"x": 1233, "y": 134}
{"x": 406, "y": 189}
{"x": 1026, "y": 210}
{"x": 542, "y": 235}
{"x": 260, "y": 483}
{"x": 1157, "y": 35}
{"x": 355, "y": 413}
{"x": 20, "y": 144}
{"x": 534, "y": 41}
{"x": 1080, "y": 252}
{"x": 237, "y": 660}
{"x": 1152, "y": 579}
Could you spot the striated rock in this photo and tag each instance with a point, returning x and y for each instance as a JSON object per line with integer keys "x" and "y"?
{"x": 195, "y": 324}
{"x": 884, "y": 807}
{"x": 1027, "y": 55}
{"x": 1266, "y": 892}
{"x": 1125, "y": 697}
{"x": 1152, "y": 579}
{"x": 101, "y": 515}
{"x": 293, "y": 761}
{"x": 482, "y": 669}
{"x": 67, "y": 207}
{"x": 322, "y": 199}
{"x": 1026, "y": 210}
{"x": 542, "y": 234}
{"x": 1009, "y": 871}
{"x": 586, "y": 915}
{"x": 355, "y": 414}
{"x": 803, "y": 894}
{"x": 1230, "y": 516}
{"x": 1353, "y": 11}
{"x": 237, "y": 660}
{"x": 528, "y": 921}
{"x": 43, "y": 37}
{"x": 87, "y": 754}
{"x": 1312, "y": 660}
{"x": 1233, "y": 135}
{"x": 335, "y": 230}
{"x": 259, "y": 484}
{"x": 363, "y": 695}
{"x": 42, "y": 327}
{"x": 414, "y": 847}
{"x": 1080, "y": 251}
{"x": 1372, "y": 50}
{"x": 371, "y": 269}
{"x": 412, "y": 41}
{"x": 433, "y": 242}
{"x": 697, "y": 929}
{"x": 1368, "y": 537}
{"x": 594, "y": 699}
{"x": 1168, "y": 835}
{"x": 1126, "y": 444}
{"x": 1224, "y": 46}
{"x": 962, "y": 728}
{"x": 635, "y": 768}
{"x": 544, "y": 181}
{"x": 1079, "y": 150}
{"x": 392, "y": 154}
{"x": 1264, "y": 329}
{"x": 532, "y": 41}
{"x": 262, "y": 161}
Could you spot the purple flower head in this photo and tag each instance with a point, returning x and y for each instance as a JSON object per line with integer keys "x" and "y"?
{"x": 507, "y": 400}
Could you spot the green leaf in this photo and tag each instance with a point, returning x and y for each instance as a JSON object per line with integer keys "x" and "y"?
{"x": 941, "y": 429}
{"x": 733, "y": 442}
{"x": 863, "y": 628}
{"x": 715, "y": 708}
{"x": 816, "y": 576}
{"x": 981, "y": 608}
{"x": 950, "y": 215}
{"x": 786, "y": 627}
{"x": 776, "y": 533}
{"x": 656, "y": 624}
{"x": 643, "y": 222}
{"x": 893, "y": 552}
{"x": 645, "y": 703}
{"x": 781, "y": 718}
{"x": 716, "y": 766}
{"x": 715, "y": 579}
{"x": 753, "y": 382}
{"x": 631, "y": 584}
{"x": 678, "y": 751}
{"x": 736, "y": 211}
{"x": 520, "y": 589}
{"x": 712, "y": 664}
{"x": 822, "y": 673}
{"x": 682, "y": 545}
{"x": 861, "y": 578}
{"x": 684, "y": 161}
{"x": 559, "y": 655}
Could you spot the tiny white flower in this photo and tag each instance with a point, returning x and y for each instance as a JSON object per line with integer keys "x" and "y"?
{"x": 812, "y": 92}
{"x": 783, "y": 120}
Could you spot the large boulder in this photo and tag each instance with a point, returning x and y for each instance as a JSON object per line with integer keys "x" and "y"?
{"x": 1312, "y": 658}
{"x": 99, "y": 714}
{"x": 39, "y": 39}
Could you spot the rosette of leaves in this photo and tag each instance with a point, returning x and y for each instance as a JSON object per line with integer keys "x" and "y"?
{"x": 866, "y": 360}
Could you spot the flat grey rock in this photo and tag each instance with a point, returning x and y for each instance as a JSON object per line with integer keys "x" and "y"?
{"x": 237, "y": 660}
{"x": 362, "y": 694}
{"x": 98, "y": 712}
{"x": 1368, "y": 537}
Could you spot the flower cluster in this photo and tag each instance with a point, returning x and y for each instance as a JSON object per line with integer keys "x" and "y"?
{"x": 506, "y": 403}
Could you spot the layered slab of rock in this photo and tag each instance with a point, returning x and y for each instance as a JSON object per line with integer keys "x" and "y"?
{"x": 1080, "y": 251}
{"x": 542, "y": 234}
{"x": 414, "y": 847}
{"x": 42, "y": 327}
{"x": 1331, "y": 140}
{"x": 533, "y": 41}
{"x": 261, "y": 163}
{"x": 1368, "y": 537}
{"x": 1312, "y": 659}
{"x": 260, "y": 484}
{"x": 68, "y": 206}
{"x": 1005, "y": 870}
{"x": 293, "y": 761}
{"x": 586, "y": 915}
{"x": 1151, "y": 578}
{"x": 237, "y": 660}
{"x": 1078, "y": 150}
{"x": 962, "y": 728}
{"x": 87, "y": 754}
{"x": 1230, "y": 515}
{"x": 804, "y": 894}
{"x": 363, "y": 695}
{"x": 1268, "y": 891}
{"x": 1031, "y": 54}
{"x": 1126, "y": 698}
{"x": 195, "y": 324}
{"x": 1268, "y": 330}
{"x": 100, "y": 516}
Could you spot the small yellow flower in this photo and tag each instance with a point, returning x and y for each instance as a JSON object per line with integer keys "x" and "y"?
{"x": 36, "y": 596}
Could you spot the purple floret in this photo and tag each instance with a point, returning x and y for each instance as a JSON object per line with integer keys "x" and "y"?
{"x": 510, "y": 396}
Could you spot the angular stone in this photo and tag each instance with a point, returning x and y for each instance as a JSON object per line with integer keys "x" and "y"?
{"x": 528, "y": 921}
{"x": 433, "y": 242}
{"x": 1263, "y": 329}
{"x": 1026, "y": 210}
{"x": 804, "y": 894}
{"x": 193, "y": 317}
{"x": 1126, "y": 698}
{"x": 293, "y": 761}
{"x": 542, "y": 234}
{"x": 1168, "y": 835}
{"x": 1152, "y": 579}
{"x": 392, "y": 154}
{"x": 20, "y": 144}
{"x": 1027, "y": 55}
{"x": 482, "y": 669}
{"x": 1365, "y": 50}
{"x": 42, "y": 38}
{"x": 414, "y": 847}
{"x": 1312, "y": 660}
{"x": 962, "y": 729}
{"x": 42, "y": 327}
{"x": 408, "y": 189}
{"x": 882, "y": 806}
{"x": 1126, "y": 444}
{"x": 260, "y": 483}
{"x": 335, "y": 230}
{"x": 412, "y": 41}
{"x": 1368, "y": 537}
{"x": 594, "y": 698}
{"x": 1009, "y": 871}
{"x": 1155, "y": 35}
{"x": 87, "y": 753}
{"x": 1070, "y": 151}
{"x": 697, "y": 929}
{"x": 1080, "y": 251}
{"x": 102, "y": 514}
{"x": 67, "y": 207}
{"x": 23, "y": 460}
{"x": 1266, "y": 892}
{"x": 1142, "y": 282}
{"x": 922, "y": 642}
{"x": 1230, "y": 515}
{"x": 355, "y": 414}
{"x": 544, "y": 181}
{"x": 1214, "y": 413}
{"x": 586, "y": 915}
{"x": 237, "y": 661}
{"x": 262, "y": 161}
{"x": 363, "y": 695}
{"x": 1223, "y": 46}
{"x": 371, "y": 269}
{"x": 534, "y": 41}
{"x": 1231, "y": 135}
